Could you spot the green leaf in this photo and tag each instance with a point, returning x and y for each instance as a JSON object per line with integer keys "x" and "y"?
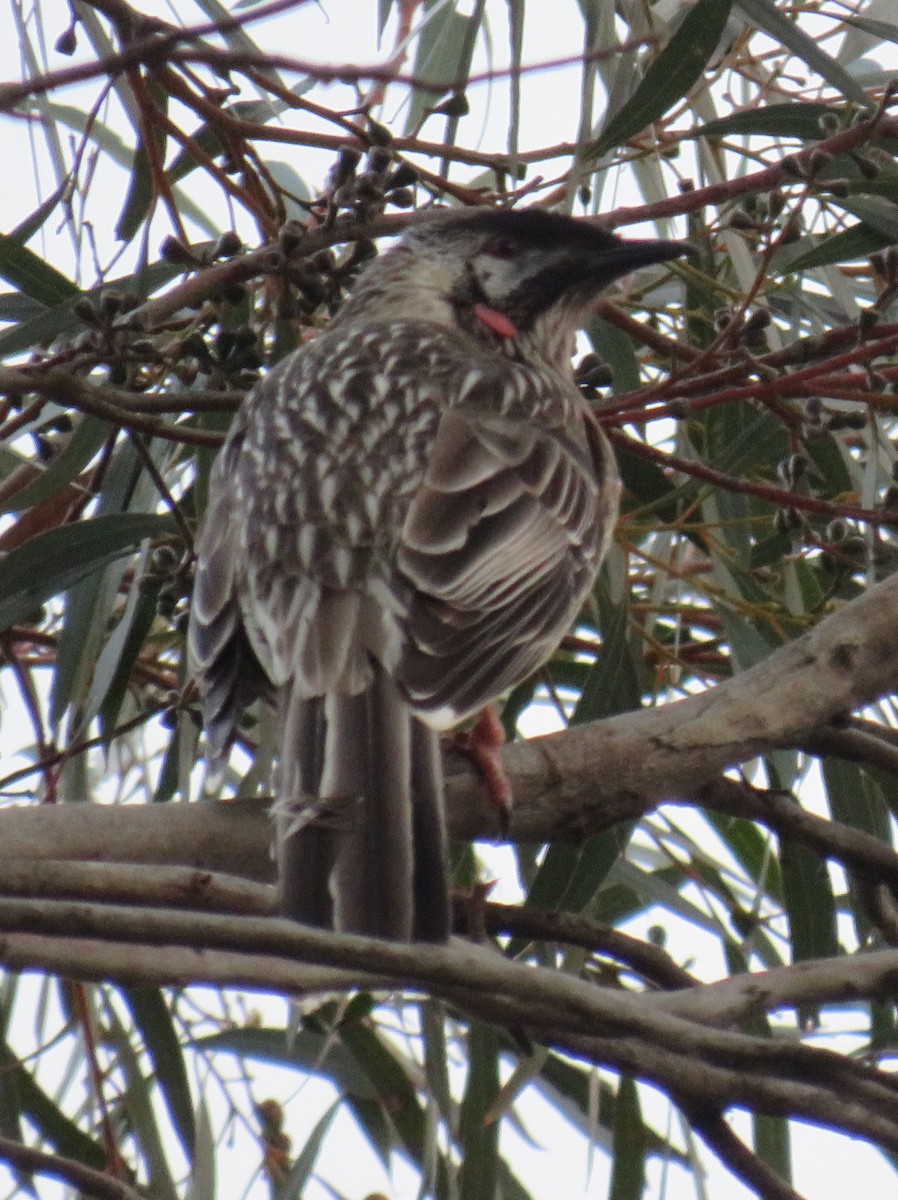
{"x": 305, "y": 1049}
{"x": 393, "y": 1087}
{"x": 141, "y": 184}
{"x": 30, "y": 274}
{"x": 569, "y": 876}
{"x": 829, "y": 462}
{"x": 810, "y": 907}
{"x": 859, "y": 241}
{"x": 107, "y": 673}
{"x": 86, "y": 123}
{"x": 508, "y": 1186}
{"x": 11, "y": 1125}
{"x": 294, "y": 189}
{"x": 52, "y": 562}
{"x": 572, "y": 1087}
{"x": 61, "y": 318}
{"x": 855, "y": 798}
{"x": 140, "y": 196}
{"x": 551, "y": 881}
{"x": 442, "y": 58}
{"x": 26, "y": 229}
{"x": 647, "y": 489}
{"x": 586, "y": 1102}
{"x": 799, "y": 120}
{"x": 628, "y": 1165}
{"x": 89, "y": 605}
{"x": 119, "y": 655}
{"x": 751, "y": 849}
{"x": 118, "y": 151}
{"x": 169, "y": 771}
{"x": 138, "y": 1109}
{"x": 633, "y": 889}
{"x": 87, "y": 438}
{"x": 741, "y": 440}
{"x": 876, "y": 213}
{"x": 572, "y": 875}
{"x": 770, "y": 551}
{"x": 478, "y": 1132}
{"x": 152, "y": 1018}
{"x": 883, "y": 1029}
{"x": 772, "y": 1144}
{"x": 670, "y": 76}
{"x": 16, "y": 307}
{"x": 789, "y": 33}
{"x": 201, "y": 1185}
{"x": 612, "y": 685}
{"x": 237, "y": 38}
{"x": 613, "y": 345}
{"x": 376, "y": 1127}
{"x": 208, "y": 138}
{"x": 48, "y": 1119}
{"x": 436, "y": 1053}
{"x": 879, "y": 29}
{"x": 383, "y": 15}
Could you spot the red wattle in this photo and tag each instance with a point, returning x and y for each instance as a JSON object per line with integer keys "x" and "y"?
{"x": 495, "y": 321}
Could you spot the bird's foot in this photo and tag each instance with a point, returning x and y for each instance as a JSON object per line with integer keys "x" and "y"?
{"x": 483, "y": 744}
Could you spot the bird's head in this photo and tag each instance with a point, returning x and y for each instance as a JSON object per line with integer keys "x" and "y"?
{"x": 528, "y": 272}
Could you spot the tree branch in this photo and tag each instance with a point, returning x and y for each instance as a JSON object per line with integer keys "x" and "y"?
{"x": 568, "y": 785}
{"x": 69, "y": 1171}
{"x": 870, "y": 975}
{"x": 572, "y": 784}
{"x": 636, "y": 1033}
{"x": 711, "y": 1125}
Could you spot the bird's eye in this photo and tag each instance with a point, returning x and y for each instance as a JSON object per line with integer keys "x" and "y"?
{"x": 502, "y": 247}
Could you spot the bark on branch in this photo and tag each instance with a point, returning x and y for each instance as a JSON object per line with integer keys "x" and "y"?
{"x": 567, "y": 785}
{"x": 698, "y": 1061}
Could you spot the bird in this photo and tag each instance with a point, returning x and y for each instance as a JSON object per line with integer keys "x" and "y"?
{"x": 405, "y": 518}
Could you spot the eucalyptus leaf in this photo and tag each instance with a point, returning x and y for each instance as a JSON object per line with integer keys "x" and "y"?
{"x": 628, "y": 1174}
{"x": 773, "y": 20}
{"x": 52, "y": 562}
{"x": 478, "y": 1127}
{"x": 670, "y": 76}
{"x": 793, "y": 120}
{"x": 153, "y": 1019}
{"x": 89, "y": 435}
{"x": 31, "y": 274}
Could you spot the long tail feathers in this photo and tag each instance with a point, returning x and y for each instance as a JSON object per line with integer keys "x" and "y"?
{"x": 430, "y": 883}
{"x": 362, "y": 841}
{"x": 307, "y": 847}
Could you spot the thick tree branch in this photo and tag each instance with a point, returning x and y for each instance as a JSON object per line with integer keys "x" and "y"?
{"x": 691, "y": 1057}
{"x": 140, "y": 965}
{"x": 572, "y": 784}
{"x": 870, "y": 975}
{"x": 567, "y": 785}
{"x": 186, "y": 888}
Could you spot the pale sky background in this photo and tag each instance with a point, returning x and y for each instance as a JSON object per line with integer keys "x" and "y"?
{"x": 557, "y": 1162}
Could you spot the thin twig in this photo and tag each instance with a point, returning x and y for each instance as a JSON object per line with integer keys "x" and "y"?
{"x": 756, "y": 1174}
{"x": 69, "y": 1171}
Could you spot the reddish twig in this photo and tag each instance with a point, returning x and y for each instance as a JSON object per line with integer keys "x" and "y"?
{"x": 762, "y": 491}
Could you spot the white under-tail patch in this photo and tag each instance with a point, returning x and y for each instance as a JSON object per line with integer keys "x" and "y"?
{"x": 440, "y": 719}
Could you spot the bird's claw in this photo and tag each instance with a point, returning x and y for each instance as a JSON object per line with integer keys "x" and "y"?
{"x": 483, "y": 743}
